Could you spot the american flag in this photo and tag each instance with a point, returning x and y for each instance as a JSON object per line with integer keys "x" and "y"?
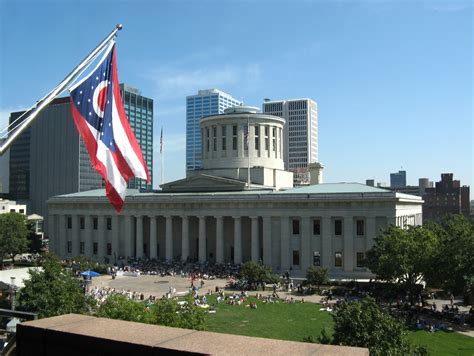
{"x": 99, "y": 115}
{"x": 161, "y": 140}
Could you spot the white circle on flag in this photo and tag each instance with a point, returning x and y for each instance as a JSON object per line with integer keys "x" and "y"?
{"x": 100, "y": 97}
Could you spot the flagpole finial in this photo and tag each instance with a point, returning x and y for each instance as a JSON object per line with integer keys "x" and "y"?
{"x": 119, "y": 26}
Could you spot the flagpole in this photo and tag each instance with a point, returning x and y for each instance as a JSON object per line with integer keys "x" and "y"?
{"x": 162, "y": 156}
{"x": 248, "y": 151}
{"x": 58, "y": 90}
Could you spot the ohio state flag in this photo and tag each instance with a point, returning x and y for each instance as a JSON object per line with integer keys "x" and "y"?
{"x": 98, "y": 113}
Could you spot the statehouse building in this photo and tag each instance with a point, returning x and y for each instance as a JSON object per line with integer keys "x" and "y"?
{"x": 240, "y": 206}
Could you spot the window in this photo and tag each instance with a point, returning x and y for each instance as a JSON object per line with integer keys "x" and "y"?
{"x": 22, "y": 211}
{"x": 81, "y": 247}
{"x": 296, "y": 227}
{"x": 234, "y": 137}
{"x": 316, "y": 227}
{"x": 257, "y": 140}
{"x": 338, "y": 227}
{"x": 69, "y": 247}
{"x": 94, "y": 248}
{"x": 360, "y": 227}
{"x": 69, "y": 222}
{"x": 81, "y": 223}
{"x": 316, "y": 258}
{"x": 214, "y": 138}
{"x": 95, "y": 223}
{"x": 109, "y": 223}
{"x": 224, "y": 133}
{"x": 109, "y": 249}
{"x": 274, "y": 139}
{"x": 207, "y": 139}
{"x": 267, "y": 139}
{"x": 360, "y": 259}
{"x": 338, "y": 259}
{"x": 296, "y": 258}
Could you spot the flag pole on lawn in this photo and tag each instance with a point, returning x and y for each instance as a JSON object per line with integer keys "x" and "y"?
{"x": 41, "y": 104}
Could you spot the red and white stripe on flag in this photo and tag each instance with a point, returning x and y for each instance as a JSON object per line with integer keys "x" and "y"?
{"x": 100, "y": 118}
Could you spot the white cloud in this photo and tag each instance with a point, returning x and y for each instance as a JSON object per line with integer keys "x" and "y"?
{"x": 174, "y": 83}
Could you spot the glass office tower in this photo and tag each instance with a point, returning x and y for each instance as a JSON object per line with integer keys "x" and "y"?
{"x": 139, "y": 110}
{"x": 205, "y": 103}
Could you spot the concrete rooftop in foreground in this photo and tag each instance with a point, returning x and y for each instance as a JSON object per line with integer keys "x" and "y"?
{"x": 73, "y": 334}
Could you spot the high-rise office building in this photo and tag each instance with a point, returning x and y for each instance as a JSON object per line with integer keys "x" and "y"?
{"x": 398, "y": 180}
{"x": 300, "y": 134}
{"x": 50, "y": 159}
{"x": 139, "y": 110}
{"x": 4, "y": 171}
{"x": 206, "y": 102}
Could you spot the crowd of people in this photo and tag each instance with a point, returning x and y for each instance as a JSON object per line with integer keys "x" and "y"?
{"x": 162, "y": 268}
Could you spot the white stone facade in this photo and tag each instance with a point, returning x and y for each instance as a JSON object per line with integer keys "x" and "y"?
{"x": 330, "y": 225}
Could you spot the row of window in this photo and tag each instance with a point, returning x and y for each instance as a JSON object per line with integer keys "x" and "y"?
{"x": 95, "y": 248}
{"x": 360, "y": 259}
{"x": 95, "y": 223}
{"x": 337, "y": 227}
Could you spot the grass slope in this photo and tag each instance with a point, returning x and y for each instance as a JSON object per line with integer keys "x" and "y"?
{"x": 295, "y": 321}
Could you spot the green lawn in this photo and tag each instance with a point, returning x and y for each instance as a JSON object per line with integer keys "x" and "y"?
{"x": 295, "y": 321}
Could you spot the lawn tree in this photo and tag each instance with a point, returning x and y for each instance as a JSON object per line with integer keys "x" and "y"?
{"x": 453, "y": 266}
{"x": 120, "y": 307}
{"x": 256, "y": 273}
{"x": 403, "y": 256}
{"x": 52, "y": 291}
{"x": 13, "y": 235}
{"x": 316, "y": 276}
{"x": 186, "y": 315}
{"x": 364, "y": 324}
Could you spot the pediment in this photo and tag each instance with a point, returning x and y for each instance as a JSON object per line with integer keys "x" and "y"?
{"x": 203, "y": 183}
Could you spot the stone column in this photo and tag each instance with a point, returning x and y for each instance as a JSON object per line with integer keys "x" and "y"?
{"x": 219, "y": 239}
{"x": 326, "y": 243}
{"x": 348, "y": 244}
{"x": 370, "y": 233}
{"x": 75, "y": 236}
{"x": 88, "y": 236}
{"x": 285, "y": 243}
{"x": 129, "y": 236}
{"x": 169, "y": 238}
{"x": 139, "y": 245}
{"x": 153, "y": 238}
{"x": 261, "y": 138}
{"x": 305, "y": 249}
{"x": 52, "y": 237}
{"x": 62, "y": 236}
{"x": 115, "y": 238}
{"x": 267, "y": 240}
{"x": 101, "y": 238}
{"x": 254, "y": 248}
{"x": 237, "y": 240}
{"x": 202, "y": 239}
{"x": 184, "y": 238}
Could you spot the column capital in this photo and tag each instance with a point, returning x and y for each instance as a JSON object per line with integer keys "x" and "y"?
{"x": 201, "y": 217}
{"x": 217, "y": 217}
{"x": 253, "y": 217}
{"x": 236, "y": 217}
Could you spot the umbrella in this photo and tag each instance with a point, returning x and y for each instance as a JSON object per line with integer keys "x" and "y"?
{"x": 90, "y": 273}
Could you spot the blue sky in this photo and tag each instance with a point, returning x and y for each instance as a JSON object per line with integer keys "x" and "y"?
{"x": 392, "y": 79}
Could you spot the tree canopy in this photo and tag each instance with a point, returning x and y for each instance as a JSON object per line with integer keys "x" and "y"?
{"x": 255, "y": 273}
{"x": 364, "y": 324}
{"x": 165, "y": 312}
{"x": 453, "y": 264}
{"x": 315, "y": 276}
{"x": 403, "y": 255}
{"x": 52, "y": 291}
{"x": 13, "y": 235}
